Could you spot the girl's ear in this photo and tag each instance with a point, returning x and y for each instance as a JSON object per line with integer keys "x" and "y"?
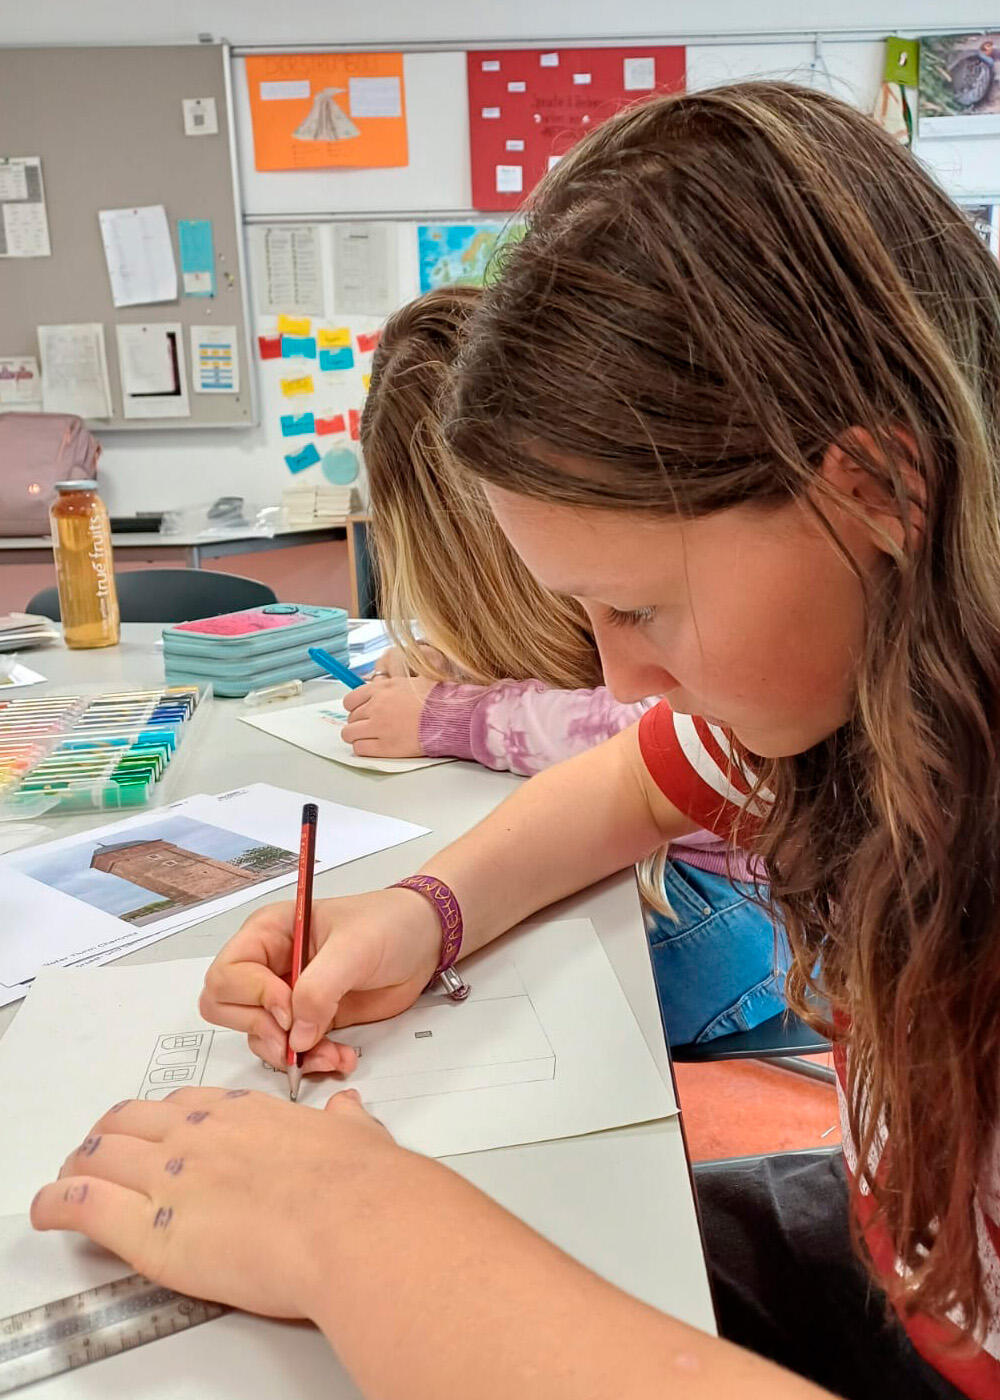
{"x": 857, "y": 470}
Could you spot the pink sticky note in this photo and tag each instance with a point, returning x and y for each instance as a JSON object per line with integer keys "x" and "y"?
{"x": 354, "y": 418}
{"x": 270, "y": 347}
{"x": 367, "y": 343}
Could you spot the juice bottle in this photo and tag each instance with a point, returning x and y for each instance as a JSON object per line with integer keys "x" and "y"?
{"x": 81, "y": 543}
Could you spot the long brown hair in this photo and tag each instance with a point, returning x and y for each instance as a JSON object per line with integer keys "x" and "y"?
{"x": 442, "y": 561}
{"x": 714, "y": 288}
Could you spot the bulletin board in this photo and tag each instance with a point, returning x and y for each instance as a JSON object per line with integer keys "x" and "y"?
{"x": 108, "y": 125}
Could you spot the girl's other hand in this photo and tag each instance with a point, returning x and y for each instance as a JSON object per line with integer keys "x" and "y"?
{"x": 227, "y": 1195}
{"x": 385, "y": 717}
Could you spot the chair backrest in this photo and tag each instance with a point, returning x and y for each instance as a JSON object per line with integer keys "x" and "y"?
{"x": 171, "y": 595}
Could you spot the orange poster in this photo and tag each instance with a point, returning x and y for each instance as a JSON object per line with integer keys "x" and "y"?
{"x": 313, "y": 111}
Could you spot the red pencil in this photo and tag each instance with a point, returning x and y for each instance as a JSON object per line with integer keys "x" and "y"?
{"x": 303, "y": 919}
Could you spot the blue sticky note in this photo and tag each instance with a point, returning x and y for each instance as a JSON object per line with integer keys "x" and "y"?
{"x": 293, "y": 424}
{"x": 298, "y": 461}
{"x": 197, "y": 257}
{"x": 340, "y": 465}
{"x": 298, "y": 345}
{"x": 337, "y": 359}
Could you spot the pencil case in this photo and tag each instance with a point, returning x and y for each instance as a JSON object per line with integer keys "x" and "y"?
{"x": 242, "y": 651}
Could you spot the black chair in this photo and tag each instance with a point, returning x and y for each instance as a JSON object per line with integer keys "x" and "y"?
{"x": 171, "y": 595}
{"x": 784, "y": 1039}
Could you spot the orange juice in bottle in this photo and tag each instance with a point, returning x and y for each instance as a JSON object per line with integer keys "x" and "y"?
{"x": 81, "y": 543}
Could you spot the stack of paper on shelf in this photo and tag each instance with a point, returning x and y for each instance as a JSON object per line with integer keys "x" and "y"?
{"x": 306, "y": 506}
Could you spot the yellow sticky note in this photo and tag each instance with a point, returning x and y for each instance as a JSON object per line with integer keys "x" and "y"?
{"x": 294, "y": 325}
{"x": 366, "y": 380}
{"x": 334, "y": 339}
{"x": 291, "y": 387}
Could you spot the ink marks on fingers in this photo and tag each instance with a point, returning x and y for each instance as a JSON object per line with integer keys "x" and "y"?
{"x": 237, "y": 1093}
{"x": 90, "y": 1145}
{"x": 199, "y": 1116}
{"x": 163, "y": 1217}
{"x": 76, "y": 1193}
{"x": 175, "y": 1166}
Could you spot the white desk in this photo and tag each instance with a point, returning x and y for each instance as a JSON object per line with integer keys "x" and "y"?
{"x": 619, "y": 1201}
{"x": 187, "y": 549}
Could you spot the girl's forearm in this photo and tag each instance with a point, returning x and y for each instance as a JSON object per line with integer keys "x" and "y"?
{"x": 479, "y": 1307}
{"x": 563, "y": 830}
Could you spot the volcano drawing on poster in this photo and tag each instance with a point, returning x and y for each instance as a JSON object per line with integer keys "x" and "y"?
{"x": 326, "y": 120}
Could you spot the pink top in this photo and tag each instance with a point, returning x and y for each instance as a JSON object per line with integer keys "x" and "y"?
{"x": 525, "y": 726}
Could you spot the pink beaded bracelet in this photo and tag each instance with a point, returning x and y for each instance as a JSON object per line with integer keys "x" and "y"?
{"x": 450, "y": 913}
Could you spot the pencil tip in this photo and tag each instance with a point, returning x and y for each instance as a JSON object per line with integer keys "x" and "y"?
{"x": 294, "y": 1081}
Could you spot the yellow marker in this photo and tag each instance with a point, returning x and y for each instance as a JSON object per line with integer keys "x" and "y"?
{"x": 291, "y": 387}
{"x": 366, "y": 380}
{"x": 334, "y": 339}
{"x": 294, "y": 325}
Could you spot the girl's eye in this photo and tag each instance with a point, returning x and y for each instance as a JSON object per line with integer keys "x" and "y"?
{"x": 636, "y": 617}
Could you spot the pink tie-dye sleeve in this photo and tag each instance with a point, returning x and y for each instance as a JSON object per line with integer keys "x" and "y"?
{"x": 520, "y": 726}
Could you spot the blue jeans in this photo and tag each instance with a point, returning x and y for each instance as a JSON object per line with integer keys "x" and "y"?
{"x": 721, "y": 967}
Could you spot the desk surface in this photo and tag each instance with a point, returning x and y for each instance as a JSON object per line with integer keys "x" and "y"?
{"x": 619, "y": 1201}
{"x": 147, "y": 538}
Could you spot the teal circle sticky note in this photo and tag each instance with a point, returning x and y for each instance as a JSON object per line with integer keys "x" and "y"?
{"x": 340, "y": 466}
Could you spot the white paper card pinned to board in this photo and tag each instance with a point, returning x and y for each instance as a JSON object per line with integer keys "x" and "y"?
{"x": 510, "y": 179}
{"x": 490, "y": 114}
{"x": 513, "y": 145}
{"x": 517, "y": 87}
{"x": 139, "y": 255}
{"x": 490, "y": 65}
{"x": 581, "y": 79}
{"x": 24, "y": 225}
{"x": 20, "y": 383}
{"x": 364, "y": 269}
{"x": 215, "y": 362}
{"x": 75, "y": 370}
{"x": 201, "y": 117}
{"x": 285, "y": 91}
{"x": 152, "y": 369}
{"x": 639, "y": 74}
{"x": 375, "y": 97}
{"x": 548, "y": 60}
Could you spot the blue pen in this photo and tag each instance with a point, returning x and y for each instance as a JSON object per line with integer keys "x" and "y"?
{"x": 336, "y": 668}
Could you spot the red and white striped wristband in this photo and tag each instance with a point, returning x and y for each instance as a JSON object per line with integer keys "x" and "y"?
{"x": 450, "y": 913}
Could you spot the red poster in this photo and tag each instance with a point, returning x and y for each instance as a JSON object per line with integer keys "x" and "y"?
{"x": 527, "y": 107}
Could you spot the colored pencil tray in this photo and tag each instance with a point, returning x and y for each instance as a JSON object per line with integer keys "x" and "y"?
{"x": 84, "y": 751}
{"x": 242, "y": 651}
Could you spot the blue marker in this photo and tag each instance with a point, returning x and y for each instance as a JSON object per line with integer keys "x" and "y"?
{"x": 336, "y": 668}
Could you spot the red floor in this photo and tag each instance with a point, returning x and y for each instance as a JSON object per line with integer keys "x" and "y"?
{"x": 735, "y": 1108}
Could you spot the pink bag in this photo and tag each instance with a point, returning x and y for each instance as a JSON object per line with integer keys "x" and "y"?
{"x": 36, "y": 451}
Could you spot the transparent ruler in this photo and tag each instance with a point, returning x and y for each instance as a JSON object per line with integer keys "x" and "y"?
{"x": 89, "y": 1326}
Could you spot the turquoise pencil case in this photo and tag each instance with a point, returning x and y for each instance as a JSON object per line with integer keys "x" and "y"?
{"x": 243, "y": 651}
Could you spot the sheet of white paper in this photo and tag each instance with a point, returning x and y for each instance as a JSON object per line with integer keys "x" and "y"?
{"x": 316, "y": 728}
{"x": 364, "y": 269}
{"x": 151, "y": 355}
{"x": 75, "y": 370}
{"x": 288, "y": 269}
{"x": 215, "y": 360}
{"x": 86, "y": 1038}
{"x": 375, "y": 97}
{"x": 146, "y": 360}
{"x": 86, "y": 897}
{"x": 20, "y": 382}
{"x": 13, "y": 675}
{"x": 510, "y": 179}
{"x": 139, "y": 255}
{"x": 639, "y": 74}
{"x": 24, "y": 225}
